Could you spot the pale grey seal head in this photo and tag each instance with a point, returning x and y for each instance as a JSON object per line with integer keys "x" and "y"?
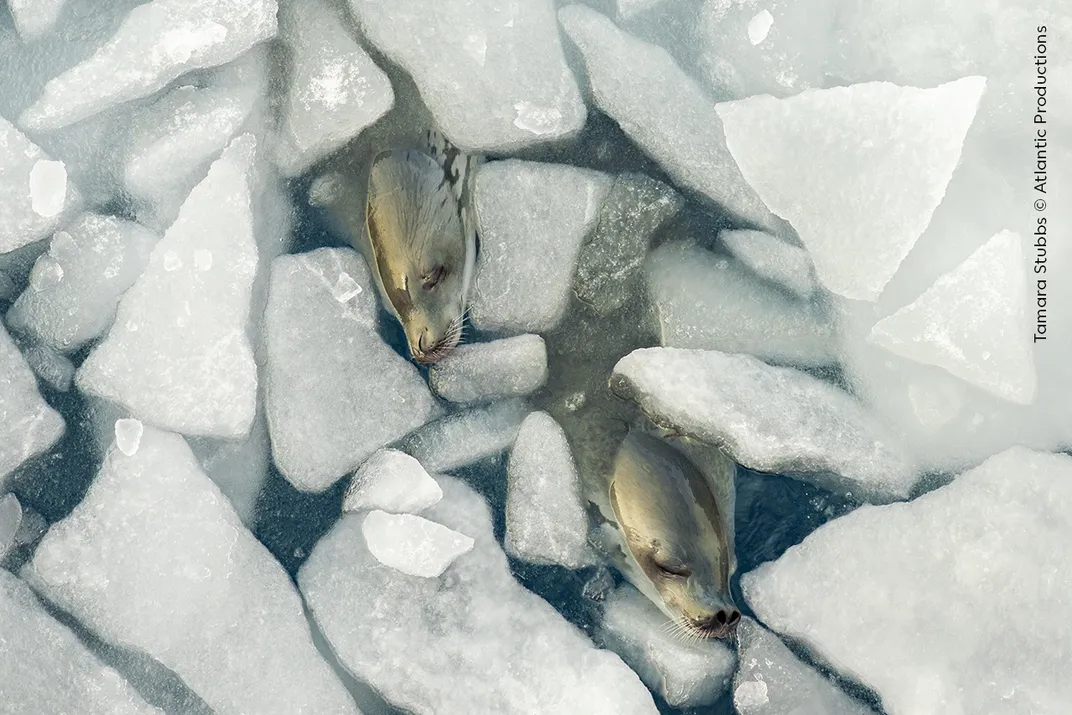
{"x": 676, "y": 539}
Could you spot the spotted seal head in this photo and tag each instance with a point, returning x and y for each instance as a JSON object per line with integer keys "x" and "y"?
{"x": 675, "y": 538}
{"x": 422, "y": 240}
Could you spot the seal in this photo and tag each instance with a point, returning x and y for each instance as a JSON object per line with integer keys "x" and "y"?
{"x": 668, "y": 530}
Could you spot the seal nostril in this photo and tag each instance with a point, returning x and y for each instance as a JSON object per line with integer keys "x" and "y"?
{"x": 720, "y": 617}
{"x": 734, "y": 617}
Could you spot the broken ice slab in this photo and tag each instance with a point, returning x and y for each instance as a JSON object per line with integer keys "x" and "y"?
{"x": 238, "y": 467}
{"x": 174, "y": 139}
{"x": 411, "y": 544}
{"x": 664, "y": 111}
{"x": 394, "y": 482}
{"x": 10, "y": 520}
{"x": 34, "y": 18}
{"x": 156, "y": 559}
{"x": 896, "y": 146}
{"x": 157, "y": 43}
{"x": 685, "y": 673}
{"x": 533, "y": 220}
{"x": 335, "y": 90}
{"x": 46, "y": 668}
{"x": 972, "y": 322}
{"x": 493, "y": 75}
{"x": 770, "y": 419}
{"x": 35, "y": 195}
{"x": 178, "y": 355}
{"x": 546, "y": 520}
{"x": 707, "y": 301}
{"x": 75, "y": 287}
{"x": 914, "y": 599}
{"x": 335, "y": 392}
{"x": 511, "y": 367}
{"x": 505, "y": 649}
{"x": 771, "y": 680}
{"x": 614, "y": 252}
{"x": 55, "y": 370}
{"x": 773, "y": 260}
{"x": 463, "y": 438}
{"x": 29, "y": 426}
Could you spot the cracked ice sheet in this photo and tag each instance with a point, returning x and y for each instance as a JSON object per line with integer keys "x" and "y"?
{"x": 157, "y": 43}
{"x": 472, "y": 640}
{"x": 956, "y": 602}
{"x": 493, "y": 74}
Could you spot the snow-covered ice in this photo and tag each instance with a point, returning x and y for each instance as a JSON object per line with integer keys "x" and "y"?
{"x": 687, "y": 674}
{"x": 628, "y": 9}
{"x": 472, "y": 640}
{"x": 46, "y": 668}
{"x": 510, "y": 367}
{"x": 771, "y": 680}
{"x": 52, "y": 368}
{"x": 770, "y": 419}
{"x": 707, "y": 301}
{"x": 76, "y": 286}
{"x": 335, "y": 392}
{"x": 29, "y": 426}
{"x": 10, "y": 520}
{"x": 34, "y": 18}
{"x": 877, "y": 157}
{"x": 174, "y": 139}
{"x": 533, "y": 220}
{"x": 335, "y": 90}
{"x": 34, "y": 188}
{"x": 614, "y": 251}
{"x": 463, "y": 438}
{"x": 973, "y": 322}
{"x": 493, "y": 75}
{"x": 412, "y": 544}
{"x": 664, "y": 111}
{"x": 956, "y": 602}
{"x": 545, "y": 517}
{"x": 759, "y": 26}
{"x": 773, "y": 259}
{"x": 157, "y": 43}
{"x": 178, "y": 355}
{"x": 394, "y": 482}
{"x": 156, "y": 559}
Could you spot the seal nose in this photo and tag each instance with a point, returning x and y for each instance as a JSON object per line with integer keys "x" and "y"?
{"x": 721, "y": 619}
{"x": 424, "y": 341}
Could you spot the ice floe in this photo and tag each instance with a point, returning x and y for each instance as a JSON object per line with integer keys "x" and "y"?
{"x": 462, "y": 438}
{"x": 773, "y": 259}
{"x": 412, "y": 544}
{"x": 510, "y": 367}
{"x": 394, "y": 482}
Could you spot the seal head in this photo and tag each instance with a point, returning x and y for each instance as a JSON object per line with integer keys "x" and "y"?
{"x": 421, "y": 252}
{"x": 676, "y": 548}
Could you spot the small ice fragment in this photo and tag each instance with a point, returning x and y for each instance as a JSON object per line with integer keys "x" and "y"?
{"x": 47, "y": 273}
{"x": 346, "y": 288}
{"x": 750, "y": 694}
{"x": 128, "y": 435}
{"x": 48, "y": 187}
{"x": 412, "y": 544}
{"x": 536, "y": 119}
{"x": 759, "y": 26}
{"x": 392, "y": 481}
{"x": 172, "y": 262}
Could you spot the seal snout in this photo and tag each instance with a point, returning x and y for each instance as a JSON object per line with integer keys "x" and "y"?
{"x": 718, "y": 623}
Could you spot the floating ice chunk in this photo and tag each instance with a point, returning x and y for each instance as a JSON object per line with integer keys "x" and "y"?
{"x": 759, "y": 26}
{"x": 899, "y": 145}
{"x": 773, "y": 259}
{"x": 239, "y": 468}
{"x": 663, "y": 110}
{"x": 97, "y": 259}
{"x": 706, "y": 301}
{"x": 506, "y": 650}
{"x": 46, "y": 669}
{"x": 128, "y": 434}
{"x": 466, "y": 437}
{"x": 175, "y": 139}
{"x": 10, "y": 520}
{"x": 972, "y": 322}
{"x": 533, "y": 220}
{"x": 493, "y": 75}
{"x": 614, "y": 252}
{"x": 156, "y": 559}
{"x": 158, "y": 42}
{"x": 545, "y": 517}
{"x": 34, "y": 188}
{"x": 29, "y": 426}
{"x": 392, "y": 481}
{"x": 510, "y": 367}
{"x": 687, "y": 674}
{"x": 335, "y": 88}
{"x": 335, "y": 392}
{"x": 914, "y": 599}
{"x": 178, "y": 355}
{"x": 411, "y": 544}
{"x": 770, "y": 419}
{"x": 771, "y": 680}
{"x": 34, "y": 18}
{"x": 56, "y": 370}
